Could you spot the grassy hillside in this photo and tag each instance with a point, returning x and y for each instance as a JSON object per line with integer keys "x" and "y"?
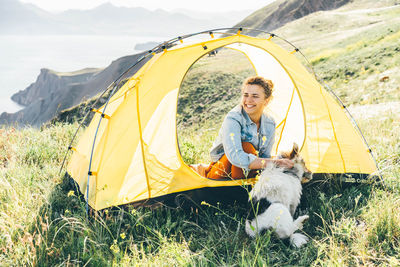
{"x": 280, "y": 12}
{"x": 353, "y": 48}
{"x": 43, "y": 221}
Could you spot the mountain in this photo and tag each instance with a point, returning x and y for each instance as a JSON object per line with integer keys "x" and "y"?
{"x": 281, "y": 12}
{"x": 225, "y": 19}
{"x": 107, "y": 19}
{"x": 16, "y": 17}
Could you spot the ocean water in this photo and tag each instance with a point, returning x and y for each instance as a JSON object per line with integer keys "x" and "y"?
{"x": 22, "y": 57}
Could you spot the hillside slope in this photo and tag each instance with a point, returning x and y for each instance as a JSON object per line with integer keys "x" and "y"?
{"x": 354, "y": 49}
{"x": 281, "y": 12}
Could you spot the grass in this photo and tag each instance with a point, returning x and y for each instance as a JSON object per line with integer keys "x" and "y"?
{"x": 355, "y": 225}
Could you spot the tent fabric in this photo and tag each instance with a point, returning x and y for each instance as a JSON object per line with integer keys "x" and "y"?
{"x": 136, "y": 153}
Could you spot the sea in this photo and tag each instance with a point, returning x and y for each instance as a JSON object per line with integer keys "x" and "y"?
{"x": 22, "y": 57}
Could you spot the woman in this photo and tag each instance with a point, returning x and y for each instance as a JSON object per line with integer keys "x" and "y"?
{"x": 246, "y": 136}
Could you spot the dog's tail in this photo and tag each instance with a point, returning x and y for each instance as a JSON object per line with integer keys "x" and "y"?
{"x": 297, "y": 240}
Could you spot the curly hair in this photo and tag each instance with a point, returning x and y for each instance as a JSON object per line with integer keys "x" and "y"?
{"x": 267, "y": 85}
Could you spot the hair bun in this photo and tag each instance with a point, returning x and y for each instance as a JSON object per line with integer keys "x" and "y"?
{"x": 266, "y": 84}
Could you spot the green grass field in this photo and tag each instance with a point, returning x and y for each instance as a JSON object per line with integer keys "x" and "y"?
{"x": 43, "y": 221}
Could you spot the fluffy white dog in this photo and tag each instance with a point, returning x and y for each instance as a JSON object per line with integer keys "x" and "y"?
{"x": 274, "y": 199}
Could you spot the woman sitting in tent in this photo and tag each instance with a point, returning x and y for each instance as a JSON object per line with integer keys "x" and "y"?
{"x": 246, "y": 136}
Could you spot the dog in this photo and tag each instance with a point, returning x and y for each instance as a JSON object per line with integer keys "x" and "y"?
{"x": 275, "y": 197}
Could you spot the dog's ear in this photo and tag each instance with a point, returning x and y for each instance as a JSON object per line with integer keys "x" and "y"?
{"x": 289, "y": 154}
{"x": 283, "y": 155}
{"x": 294, "y": 152}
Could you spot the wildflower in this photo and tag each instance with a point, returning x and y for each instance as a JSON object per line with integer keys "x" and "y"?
{"x": 106, "y": 212}
{"x": 123, "y": 236}
{"x": 205, "y": 203}
{"x": 71, "y": 193}
{"x": 114, "y": 247}
{"x": 67, "y": 212}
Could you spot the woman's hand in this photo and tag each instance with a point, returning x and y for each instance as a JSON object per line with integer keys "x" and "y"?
{"x": 284, "y": 163}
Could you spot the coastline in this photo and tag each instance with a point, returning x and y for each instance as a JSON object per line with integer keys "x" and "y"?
{"x": 26, "y": 55}
{"x": 8, "y": 105}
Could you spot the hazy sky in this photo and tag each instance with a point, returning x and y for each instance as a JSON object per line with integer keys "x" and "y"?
{"x": 199, "y": 5}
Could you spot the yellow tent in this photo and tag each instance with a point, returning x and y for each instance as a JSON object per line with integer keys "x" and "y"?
{"x": 129, "y": 152}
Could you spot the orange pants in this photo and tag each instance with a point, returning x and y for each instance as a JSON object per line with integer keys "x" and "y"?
{"x": 223, "y": 169}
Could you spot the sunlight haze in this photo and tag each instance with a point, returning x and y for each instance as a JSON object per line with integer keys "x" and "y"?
{"x": 205, "y": 5}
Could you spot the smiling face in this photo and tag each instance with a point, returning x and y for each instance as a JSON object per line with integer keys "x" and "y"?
{"x": 253, "y": 99}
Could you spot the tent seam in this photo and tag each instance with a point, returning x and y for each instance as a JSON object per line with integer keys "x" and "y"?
{"x": 333, "y": 129}
{"x": 141, "y": 139}
{"x": 284, "y": 122}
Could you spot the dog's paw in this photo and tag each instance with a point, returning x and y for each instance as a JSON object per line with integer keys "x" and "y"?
{"x": 298, "y": 240}
{"x": 304, "y": 218}
{"x": 300, "y": 221}
{"x": 250, "y": 229}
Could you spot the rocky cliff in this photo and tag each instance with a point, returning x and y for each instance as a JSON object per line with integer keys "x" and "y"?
{"x": 281, "y": 12}
{"x": 50, "y": 83}
{"x": 54, "y": 92}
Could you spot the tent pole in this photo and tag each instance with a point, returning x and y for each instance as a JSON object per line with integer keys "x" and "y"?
{"x": 113, "y": 84}
{"x": 90, "y": 173}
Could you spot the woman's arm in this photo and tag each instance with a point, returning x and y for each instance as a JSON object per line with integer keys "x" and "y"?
{"x": 261, "y": 163}
{"x": 232, "y": 143}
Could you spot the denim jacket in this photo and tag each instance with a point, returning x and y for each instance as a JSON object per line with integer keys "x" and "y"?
{"x": 237, "y": 128}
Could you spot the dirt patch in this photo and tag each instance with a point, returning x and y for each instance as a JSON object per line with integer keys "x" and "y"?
{"x": 374, "y": 110}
